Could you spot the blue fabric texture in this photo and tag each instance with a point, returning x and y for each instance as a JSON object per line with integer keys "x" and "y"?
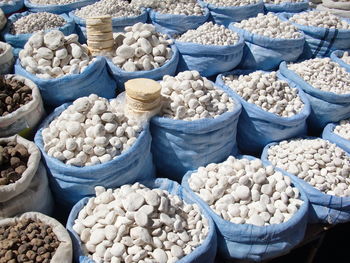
{"x": 57, "y": 9}
{"x": 266, "y": 53}
{"x": 94, "y": 79}
{"x": 224, "y": 15}
{"x": 336, "y": 57}
{"x": 9, "y": 9}
{"x": 70, "y": 184}
{"x": 321, "y": 42}
{"x": 325, "y": 106}
{"x": 250, "y": 242}
{"x": 290, "y": 7}
{"x": 206, "y": 252}
{"x": 324, "y": 208}
{"x": 18, "y": 41}
{"x": 179, "y": 146}
{"x": 209, "y": 60}
{"x": 328, "y": 134}
{"x": 121, "y": 76}
{"x": 257, "y": 127}
{"x": 118, "y": 23}
{"x": 176, "y": 24}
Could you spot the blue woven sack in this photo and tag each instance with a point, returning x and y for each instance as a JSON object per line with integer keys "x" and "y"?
{"x": 179, "y": 146}
{"x": 18, "y": 41}
{"x": 94, "y": 79}
{"x": 70, "y": 184}
{"x": 336, "y": 57}
{"x": 118, "y": 23}
{"x": 324, "y": 208}
{"x": 325, "y": 106}
{"x": 257, "y": 243}
{"x": 321, "y": 42}
{"x": 267, "y": 53}
{"x": 224, "y": 15}
{"x": 257, "y": 127}
{"x": 290, "y": 7}
{"x": 11, "y": 8}
{"x": 209, "y": 60}
{"x": 206, "y": 252}
{"x": 57, "y": 9}
{"x": 121, "y": 76}
{"x": 328, "y": 134}
{"x": 176, "y": 24}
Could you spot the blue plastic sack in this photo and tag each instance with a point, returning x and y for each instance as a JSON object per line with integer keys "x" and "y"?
{"x": 250, "y": 242}
{"x": 321, "y": 42}
{"x": 206, "y": 252}
{"x": 9, "y": 9}
{"x": 70, "y": 184}
{"x": 176, "y": 24}
{"x": 224, "y": 15}
{"x": 257, "y": 127}
{"x": 94, "y": 79}
{"x": 324, "y": 208}
{"x": 328, "y": 134}
{"x": 121, "y": 76}
{"x": 336, "y": 57}
{"x": 57, "y": 9}
{"x": 118, "y": 23}
{"x": 290, "y": 7}
{"x": 179, "y": 146}
{"x": 209, "y": 60}
{"x": 18, "y": 41}
{"x": 267, "y": 53}
{"x": 325, "y": 106}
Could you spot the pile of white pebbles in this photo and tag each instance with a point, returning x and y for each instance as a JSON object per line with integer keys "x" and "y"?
{"x": 318, "y": 162}
{"x": 231, "y": 2}
{"x": 136, "y": 224}
{"x": 53, "y": 2}
{"x": 320, "y": 19}
{"x": 7, "y": 2}
{"x": 210, "y": 34}
{"x": 267, "y": 92}
{"x": 36, "y": 22}
{"x": 346, "y": 57}
{"x": 53, "y": 55}
{"x": 282, "y": 1}
{"x": 245, "y": 191}
{"x": 343, "y": 129}
{"x": 269, "y": 26}
{"x": 114, "y": 8}
{"x": 179, "y": 7}
{"x": 90, "y": 132}
{"x": 188, "y": 97}
{"x": 141, "y": 48}
{"x": 323, "y": 74}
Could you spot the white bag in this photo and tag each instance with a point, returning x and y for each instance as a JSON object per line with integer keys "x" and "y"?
{"x": 3, "y": 19}
{"x": 64, "y": 252}
{"x": 37, "y": 197}
{"x": 342, "y": 5}
{"x": 334, "y": 11}
{"x": 7, "y": 192}
{"x": 27, "y": 116}
{"x": 6, "y": 58}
